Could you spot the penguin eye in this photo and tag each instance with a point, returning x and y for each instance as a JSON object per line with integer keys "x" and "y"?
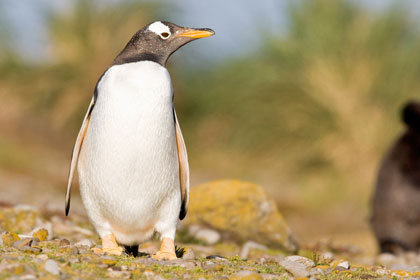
{"x": 165, "y": 35}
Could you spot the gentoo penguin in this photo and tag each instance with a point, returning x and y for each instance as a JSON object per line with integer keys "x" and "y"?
{"x": 396, "y": 202}
{"x": 130, "y": 154}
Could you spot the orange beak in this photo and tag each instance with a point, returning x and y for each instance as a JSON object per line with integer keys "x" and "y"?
{"x": 197, "y": 33}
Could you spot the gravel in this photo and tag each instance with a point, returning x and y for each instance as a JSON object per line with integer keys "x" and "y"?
{"x": 84, "y": 242}
{"x": 52, "y": 267}
{"x": 67, "y": 254}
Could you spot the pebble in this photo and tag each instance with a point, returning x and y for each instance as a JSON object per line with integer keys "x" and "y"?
{"x": 315, "y": 271}
{"x": 269, "y": 276}
{"x": 49, "y": 227}
{"x": 209, "y": 265}
{"x": 119, "y": 274}
{"x": 132, "y": 267}
{"x": 305, "y": 261}
{"x": 26, "y": 245}
{"x": 176, "y": 262}
{"x": 102, "y": 265}
{"x": 145, "y": 261}
{"x": 188, "y": 254}
{"x": 42, "y": 257}
{"x": 29, "y": 249}
{"x": 86, "y": 259}
{"x": 108, "y": 260}
{"x": 74, "y": 260}
{"x": 405, "y": 267}
{"x": 46, "y": 250}
{"x": 70, "y": 250}
{"x": 20, "y": 243}
{"x": 83, "y": 251}
{"x": 412, "y": 258}
{"x": 9, "y": 238}
{"x": 327, "y": 255}
{"x": 188, "y": 265}
{"x": 296, "y": 268}
{"x": 14, "y": 268}
{"x": 409, "y": 261}
{"x": 248, "y": 246}
{"x": 209, "y": 236}
{"x": 386, "y": 259}
{"x": 41, "y": 233}
{"x": 152, "y": 275}
{"x": 216, "y": 258}
{"x": 27, "y": 277}
{"x": 339, "y": 268}
{"x": 246, "y": 274}
{"x": 52, "y": 267}
{"x": 84, "y": 242}
{"x": 34, "y": 242}
{"x": 381, "y": 271}
{"x": 148, "y": 273}
{"x": 344, "y": 264}
{"x": 23, "y": 236}
{"x": 64, "y": 242}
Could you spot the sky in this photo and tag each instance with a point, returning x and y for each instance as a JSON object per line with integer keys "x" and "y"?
{"x": 235, "y": 22}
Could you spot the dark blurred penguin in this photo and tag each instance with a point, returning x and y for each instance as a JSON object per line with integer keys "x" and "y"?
{"x": 396, "y": 202}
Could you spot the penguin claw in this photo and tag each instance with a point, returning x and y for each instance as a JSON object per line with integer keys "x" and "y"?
{"x": 98, "y": 251}
{"x": 167, "y": 250}
{"x": 109, "y": 246}
{"x": 114, "y": 251}
{"x": 110, "y": 251}
{"x": 164, "y": 256}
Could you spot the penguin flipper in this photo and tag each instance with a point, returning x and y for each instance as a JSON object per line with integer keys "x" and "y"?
{"x": 76, "y": 152}
{"x": 184, "y": 170}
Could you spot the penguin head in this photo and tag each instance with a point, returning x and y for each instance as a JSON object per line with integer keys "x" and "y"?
{"x": 157, "y": 41}
{"x": 411, "y": 115}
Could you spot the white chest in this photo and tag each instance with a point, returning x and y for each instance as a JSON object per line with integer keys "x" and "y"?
{"x": 129, "y": 155}
{"x": 140, "y": 89}
{"x": 133, "y": 115}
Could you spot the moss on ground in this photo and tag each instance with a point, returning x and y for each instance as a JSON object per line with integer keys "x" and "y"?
{"x": 36, "y": 256}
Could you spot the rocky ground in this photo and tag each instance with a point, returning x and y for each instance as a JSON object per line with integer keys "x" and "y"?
{"x": 38, "y": 245}
{"x": 236, "y": 235}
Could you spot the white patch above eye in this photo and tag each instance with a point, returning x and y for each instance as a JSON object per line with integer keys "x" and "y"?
{"x": 159, "y": 28}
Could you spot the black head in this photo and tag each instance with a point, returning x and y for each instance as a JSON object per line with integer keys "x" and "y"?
{"x": 157, "y": 41}
{"x": 411, "y": 115}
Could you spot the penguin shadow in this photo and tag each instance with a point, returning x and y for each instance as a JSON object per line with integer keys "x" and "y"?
{"x": 395, "y": 216}
{"x": 134, "y": 251}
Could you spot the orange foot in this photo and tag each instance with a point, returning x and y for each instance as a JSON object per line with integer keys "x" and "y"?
{"x": 109, "y": 246}
{"x": 167, "y": 250}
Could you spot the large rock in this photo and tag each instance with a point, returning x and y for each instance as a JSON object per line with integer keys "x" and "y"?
{"x": 241, "y": 211}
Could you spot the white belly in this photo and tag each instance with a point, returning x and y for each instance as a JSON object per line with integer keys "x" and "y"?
{"x": 128, "y": 166}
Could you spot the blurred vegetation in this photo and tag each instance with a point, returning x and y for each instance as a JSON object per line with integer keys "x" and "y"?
{"x": 84, "y": 42}
{"x": 309, "y": 114}
{"x": 315, "y": 108}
